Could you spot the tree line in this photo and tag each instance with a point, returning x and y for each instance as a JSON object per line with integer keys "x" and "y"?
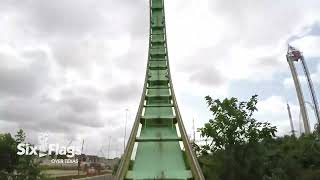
{"x": 239, "y": 147}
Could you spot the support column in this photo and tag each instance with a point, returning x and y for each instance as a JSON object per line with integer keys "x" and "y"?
{"x": 300, "y": 96}
{"x": 290, "y": 118}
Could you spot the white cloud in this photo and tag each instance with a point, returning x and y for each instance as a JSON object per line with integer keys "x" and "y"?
{"x": 274, "y": 110}
{"x": 84, "y": 50}
{"x": 315, "y": 77}
{"x": 309, "y": 45}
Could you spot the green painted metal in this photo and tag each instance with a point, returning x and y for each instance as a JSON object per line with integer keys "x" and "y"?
{"x": 160, "y": 152}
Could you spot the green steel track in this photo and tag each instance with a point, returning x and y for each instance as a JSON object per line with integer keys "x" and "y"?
{"x": 158, "y": 146}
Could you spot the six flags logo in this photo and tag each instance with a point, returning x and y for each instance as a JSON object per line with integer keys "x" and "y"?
{"x": 44, "y": 149}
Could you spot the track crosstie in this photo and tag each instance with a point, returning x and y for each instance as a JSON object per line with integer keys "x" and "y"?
{"x": 158, "y": 146}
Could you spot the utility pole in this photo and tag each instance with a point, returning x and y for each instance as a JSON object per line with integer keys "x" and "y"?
{"x": 70, "y": 142}
{"x": 294, "y": 55}
{"x": 80, "y": 156}
{"x": 290, "y": 118}
{"x": 109, "y": 147}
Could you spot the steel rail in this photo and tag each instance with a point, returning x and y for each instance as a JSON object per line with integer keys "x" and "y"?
{"x": 191, "y": 156}
{"x": 311, "y": 89}
{"x": 126, "y": 157}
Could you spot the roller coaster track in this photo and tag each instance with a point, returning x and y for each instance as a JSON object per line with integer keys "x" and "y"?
{"x": 158, "y": 146}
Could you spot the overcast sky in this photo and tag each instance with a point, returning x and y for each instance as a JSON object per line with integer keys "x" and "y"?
{"x": 70, "y": 68}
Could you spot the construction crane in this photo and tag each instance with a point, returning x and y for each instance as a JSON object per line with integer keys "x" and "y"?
{"x": 154, "y": 149}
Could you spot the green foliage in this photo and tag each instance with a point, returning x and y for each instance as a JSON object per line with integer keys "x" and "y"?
{"x": 20, "y": 136}
{"x": 14, "y": 166}
{"x": 8, "y": 157}
{"x": 233, "y": 124}
{"x": 239, "y": 147}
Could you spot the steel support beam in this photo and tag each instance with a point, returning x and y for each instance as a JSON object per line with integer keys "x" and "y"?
{"x": 153, "y": 150}
{"x": 303, "y": 109}
{"x": 311, "y": 89}
{"x": 290, "y": 118}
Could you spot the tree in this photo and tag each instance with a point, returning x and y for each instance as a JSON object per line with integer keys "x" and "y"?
{"x": 240, "y": 147}
{"x": 14, "y": 166}
{"x": 233, "y": 124}
{"x": 233, "y": 149}
{"x": 8, "y": 155}
{"x": 317, "y": 129}
{"x": 20, "y": 136}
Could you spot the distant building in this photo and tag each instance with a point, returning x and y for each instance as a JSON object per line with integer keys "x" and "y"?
{"x": 88, "y": 159}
